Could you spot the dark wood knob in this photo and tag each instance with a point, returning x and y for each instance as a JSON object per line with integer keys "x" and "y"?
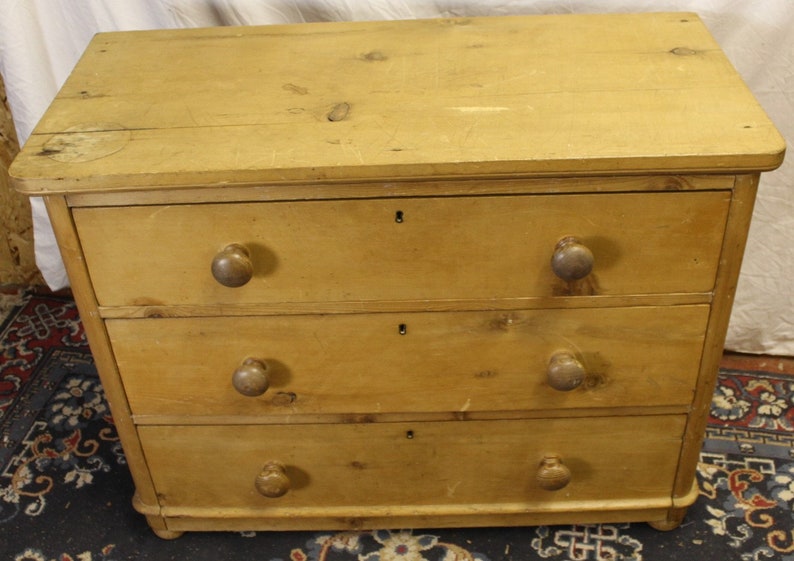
{"x": 272, "y": 481}
{"x": 232, "y": 267}
{"x": 571, "y": 260}
{"x": 251, "y": 377}
{"x": 565, "y": 372}
{"x": 552, "y": 474}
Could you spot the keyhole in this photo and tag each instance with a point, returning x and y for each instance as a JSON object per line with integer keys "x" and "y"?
{"x": 403, "y": 329}
{"x": 398, "y": 217}
{"x": 409, "y": 435}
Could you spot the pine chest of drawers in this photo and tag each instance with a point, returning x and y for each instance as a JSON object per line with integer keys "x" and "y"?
{"x": 391, "y": 274}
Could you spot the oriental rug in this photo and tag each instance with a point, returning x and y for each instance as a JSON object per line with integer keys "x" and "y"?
{"x": 65, "y": 490}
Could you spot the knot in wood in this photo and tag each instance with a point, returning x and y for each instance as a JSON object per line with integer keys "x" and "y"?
{"x": 339, "y": 111}
{"x": 374, "y": 56}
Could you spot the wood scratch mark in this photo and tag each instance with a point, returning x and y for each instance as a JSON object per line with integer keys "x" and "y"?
{"x": 391, "y": 135}
{"x": 354, "y": 151}
{"x": 159, "y": 210}
{"x": 451, "y": 489}
{"x": 190, "y": 114}
{"x": 300, "y": 90}
{"x": 479, "y": 109}
{"x": 469, "y": 132}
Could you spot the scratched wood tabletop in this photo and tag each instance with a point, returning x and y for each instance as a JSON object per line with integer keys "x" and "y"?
{"x": 441, "y": 98}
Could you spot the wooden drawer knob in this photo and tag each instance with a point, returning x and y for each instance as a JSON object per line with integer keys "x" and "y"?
{"x": 272, "y": 482}
{"x": 571, "y": 260}
{"x": 565, "y": 372}
{"x": 232, "y": 267}
{"x": 251, "y": 377}
{"x": 552, "y": 474}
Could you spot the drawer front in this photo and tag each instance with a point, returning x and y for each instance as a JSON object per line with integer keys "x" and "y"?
{"x": 402, "y": 249}
{"x": 443, "y": 463}
{"x": 413, "y": 362}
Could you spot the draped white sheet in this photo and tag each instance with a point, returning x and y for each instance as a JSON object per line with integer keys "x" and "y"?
{"x": 41, "y": 40}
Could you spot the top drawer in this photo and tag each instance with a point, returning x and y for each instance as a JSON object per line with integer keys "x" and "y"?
{"x": 404, "y": 248}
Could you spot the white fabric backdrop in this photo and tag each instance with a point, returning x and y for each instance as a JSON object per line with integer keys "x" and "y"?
{"x": 41, "y": 40}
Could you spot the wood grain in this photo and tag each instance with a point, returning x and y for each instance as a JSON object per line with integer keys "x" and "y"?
{"x": 551, "y": 95}
{"x": 406, "y": 188}
{"x": 362, "y": 465}
{"x": 444, "y": 248}
{"x": 725, "y": 290}
{"x": 69, "y": 245}
{"x": 454, "y": 362}
{"x": 393, "y": 193}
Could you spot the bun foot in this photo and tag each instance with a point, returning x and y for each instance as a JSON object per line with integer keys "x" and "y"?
{"x": 167, "y": 534}
{"x": 674, "y": 518}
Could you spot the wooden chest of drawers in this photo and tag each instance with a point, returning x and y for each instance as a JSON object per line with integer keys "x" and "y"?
{"x": 428, "y": 273}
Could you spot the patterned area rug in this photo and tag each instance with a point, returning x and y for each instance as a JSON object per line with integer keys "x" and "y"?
{"x": 65, "y": 490}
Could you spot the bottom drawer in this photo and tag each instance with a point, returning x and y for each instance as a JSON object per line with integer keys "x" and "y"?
{"x": 422, "y": 463}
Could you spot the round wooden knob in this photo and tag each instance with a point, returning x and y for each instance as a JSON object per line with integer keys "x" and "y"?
{"x": 564, "y": 372}
{"x": 232, "y": 267}
{"x": 272, "y": 482}
{"x": 251, "y": 377}
{"x": 571, "y": 260}
{"x": 553, "y": 474}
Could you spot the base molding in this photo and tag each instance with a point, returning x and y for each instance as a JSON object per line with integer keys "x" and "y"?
{"x": 171, "y": 522}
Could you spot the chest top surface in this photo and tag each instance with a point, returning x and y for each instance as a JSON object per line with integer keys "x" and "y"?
{"x": 523, "y": 96}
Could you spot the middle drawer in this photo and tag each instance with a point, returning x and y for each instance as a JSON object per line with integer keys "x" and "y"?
{"x": 410, "y": 362}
